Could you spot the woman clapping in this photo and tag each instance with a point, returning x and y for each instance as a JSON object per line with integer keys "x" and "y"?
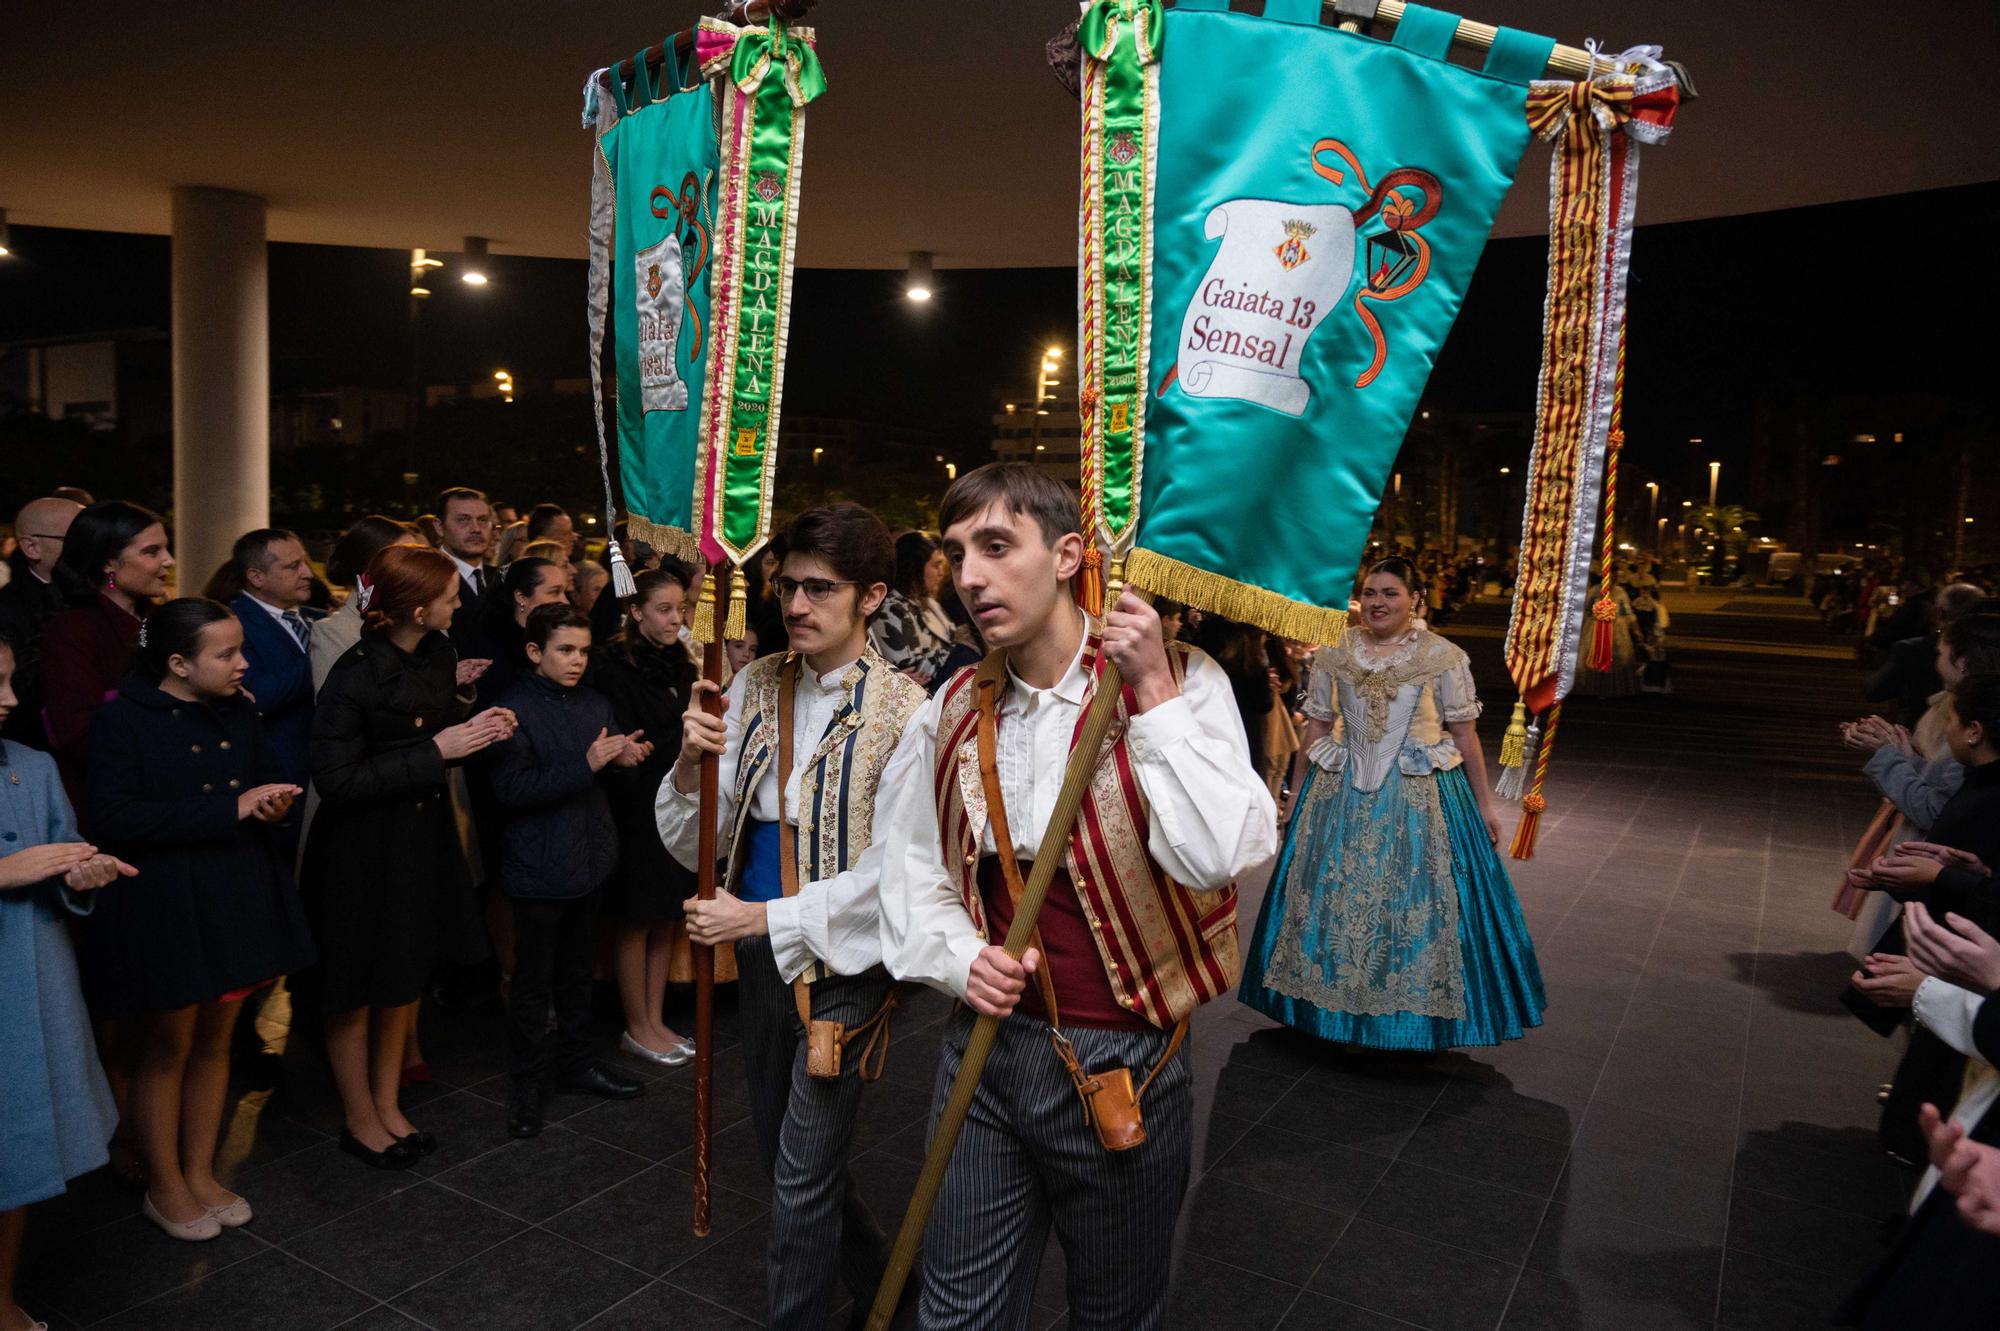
{"x": 383, "y": 873}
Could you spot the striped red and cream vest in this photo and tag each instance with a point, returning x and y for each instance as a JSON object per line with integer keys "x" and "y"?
{"x": 1166, "y": 948}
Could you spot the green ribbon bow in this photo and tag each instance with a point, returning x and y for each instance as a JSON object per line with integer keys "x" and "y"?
{"x": 755, "y": 52}
{"x": 1095, "y": 31}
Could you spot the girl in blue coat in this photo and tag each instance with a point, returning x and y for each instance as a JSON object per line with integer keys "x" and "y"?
{"x": 184, "y": 784}
{"x": 55, "y": 1112}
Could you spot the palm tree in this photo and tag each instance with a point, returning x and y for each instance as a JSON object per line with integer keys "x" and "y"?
{"x": 1721, "y": 528}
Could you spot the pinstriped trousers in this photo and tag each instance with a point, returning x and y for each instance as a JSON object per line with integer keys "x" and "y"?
{"x": 805, "y": 1127}
{"x": 1028, "y": 1157}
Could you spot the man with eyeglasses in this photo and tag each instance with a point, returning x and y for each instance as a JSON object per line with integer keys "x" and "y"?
{"x": 27, "y": 602}
{"x": 802, "y": 744}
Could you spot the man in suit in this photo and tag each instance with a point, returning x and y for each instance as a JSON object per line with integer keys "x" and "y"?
{"x": 277, "y": 647}
{"x": 465, "y": 523}
{"x": 27, "y": 603}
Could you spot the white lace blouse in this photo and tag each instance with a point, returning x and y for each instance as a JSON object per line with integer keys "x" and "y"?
{"x": 1395, "y": 704}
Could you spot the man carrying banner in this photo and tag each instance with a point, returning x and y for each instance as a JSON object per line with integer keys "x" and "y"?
{"x": 1138, "y": 930}
{"x": 802, "y": 745}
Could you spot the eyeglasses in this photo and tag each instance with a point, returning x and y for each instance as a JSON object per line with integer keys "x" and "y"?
{"x": 42, "y": 535}
{"x": 816, "y": 589}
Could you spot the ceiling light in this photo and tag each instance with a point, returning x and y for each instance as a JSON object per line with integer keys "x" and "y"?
{"x": 475, "y": 262}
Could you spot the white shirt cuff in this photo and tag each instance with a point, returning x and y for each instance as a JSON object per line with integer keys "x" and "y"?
{"x": 958, "y": 968}
{"x": 789, "y": 949}
{"x": 1152, "y": 731}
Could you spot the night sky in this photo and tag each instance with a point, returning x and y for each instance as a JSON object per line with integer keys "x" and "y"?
{"x": 1838, "y": 301}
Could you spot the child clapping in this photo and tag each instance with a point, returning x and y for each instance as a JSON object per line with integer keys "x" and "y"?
{"x": 559, "y": 848}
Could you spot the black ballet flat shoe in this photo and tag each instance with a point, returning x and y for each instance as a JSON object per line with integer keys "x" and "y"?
{"x": 419, "y": 1142}
{"x": 397, "y": 1156}
{"x": 598, "y": 1080}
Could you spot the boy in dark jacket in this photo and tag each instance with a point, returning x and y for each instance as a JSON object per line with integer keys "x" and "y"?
{"x": 558, "y": 848}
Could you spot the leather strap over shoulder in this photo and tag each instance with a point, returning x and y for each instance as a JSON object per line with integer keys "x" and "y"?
{"x": 987, "y": 685}
{"x": 788, "y": 833}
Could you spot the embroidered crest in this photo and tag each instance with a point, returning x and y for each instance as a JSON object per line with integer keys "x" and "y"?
{"x": 653, "y": 280}
{"x": 1292, "y": 251}
{"x": 1123, "y": 149}
{"x": 768, "y": 185}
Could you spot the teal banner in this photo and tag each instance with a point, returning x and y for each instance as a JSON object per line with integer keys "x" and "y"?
{"x": 1321, "y": 200}
{"x": 663, "y": 160}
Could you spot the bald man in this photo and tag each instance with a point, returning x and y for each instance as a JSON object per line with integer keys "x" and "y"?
{"x": 26, "y": 603}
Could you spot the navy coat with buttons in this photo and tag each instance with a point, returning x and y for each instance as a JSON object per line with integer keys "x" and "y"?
{"x": 214, "y": 908}
{"x": 560, "y": 841}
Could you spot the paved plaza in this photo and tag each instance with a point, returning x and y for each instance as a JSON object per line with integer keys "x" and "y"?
{"x": 1687, "y": 1142}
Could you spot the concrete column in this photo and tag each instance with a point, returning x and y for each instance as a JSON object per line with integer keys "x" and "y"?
{"x": 222, "y": 377}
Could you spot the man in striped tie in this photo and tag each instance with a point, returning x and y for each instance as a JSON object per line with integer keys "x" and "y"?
{"x": 277, "y": 634}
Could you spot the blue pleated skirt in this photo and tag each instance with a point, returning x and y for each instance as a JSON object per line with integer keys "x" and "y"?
{"x": 1496, "y": 981}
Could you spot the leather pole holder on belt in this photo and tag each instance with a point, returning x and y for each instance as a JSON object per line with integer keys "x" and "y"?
{"x": 826, "y": 1041}
{"x": 1110, "y": 1101}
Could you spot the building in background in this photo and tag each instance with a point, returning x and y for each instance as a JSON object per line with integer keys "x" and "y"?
{"x": 118, "y": 383}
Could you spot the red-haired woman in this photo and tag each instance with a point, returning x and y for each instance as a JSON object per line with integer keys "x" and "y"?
{"x": 382, "y": 861}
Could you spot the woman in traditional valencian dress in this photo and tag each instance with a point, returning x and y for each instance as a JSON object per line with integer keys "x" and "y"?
{"x": 1390, "y": 922}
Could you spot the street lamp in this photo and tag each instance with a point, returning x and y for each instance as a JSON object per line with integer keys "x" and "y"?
{"x": 1714, "y": 474}
{"x": 504, "y": 381}
{"x": 6, "y": 243}
{"x": 1044, "y": 380}
{"x": 420, "y": 265}
{"x": 1653, "y": 495}
{"x": 816, "y": 453}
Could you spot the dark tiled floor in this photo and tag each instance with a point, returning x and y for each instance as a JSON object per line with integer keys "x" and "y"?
{"x": 1686, "y": 1144}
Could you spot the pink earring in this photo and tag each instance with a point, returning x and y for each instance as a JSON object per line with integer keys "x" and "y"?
{"x": 110, "y": 581}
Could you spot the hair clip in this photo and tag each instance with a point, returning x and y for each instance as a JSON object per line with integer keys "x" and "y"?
{"x": 365, "y": 590}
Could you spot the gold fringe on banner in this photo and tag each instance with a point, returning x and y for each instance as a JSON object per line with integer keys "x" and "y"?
{"x": 1215, "y": 594}
{"x": 682, "y": 545}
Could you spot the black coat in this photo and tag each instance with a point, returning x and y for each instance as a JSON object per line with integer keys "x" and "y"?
{"x": 213, "y": 908}
{"x": 1939, "y": 1276}
{"x": 649, "y": 688}
{"x": 559, "y": 841}
{"x": 1908, "y": 678}
{"x": 27, "y": 604}
{"x": 383, "y": 878}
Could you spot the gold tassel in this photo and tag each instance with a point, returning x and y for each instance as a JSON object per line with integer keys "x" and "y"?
{"x": 704, "y": 610}
{"x": 1516, "y": 737}
{"x": 1513, "y": 782}
{"x": 736, "y": 626}
{"x": 1219, "y": 595}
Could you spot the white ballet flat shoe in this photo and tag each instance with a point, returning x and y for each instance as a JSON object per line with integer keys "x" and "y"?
{"x": 672, "y": 1058}
{"x": 193, "y": 1231}
{"x": 232, "y": 1216}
